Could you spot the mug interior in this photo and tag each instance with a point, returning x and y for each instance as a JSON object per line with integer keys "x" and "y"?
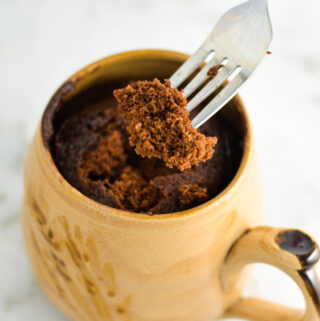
{"x": 98, "y": 80}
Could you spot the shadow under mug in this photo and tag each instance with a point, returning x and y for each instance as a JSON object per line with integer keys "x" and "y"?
{"x": 99, "y": 263}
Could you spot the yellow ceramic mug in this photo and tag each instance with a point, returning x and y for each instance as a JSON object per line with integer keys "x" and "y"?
{"x": 99, "y": 263}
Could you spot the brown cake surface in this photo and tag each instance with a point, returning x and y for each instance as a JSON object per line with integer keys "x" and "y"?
{"x": 91, "y": 149}
{"x": 159, "y": 125}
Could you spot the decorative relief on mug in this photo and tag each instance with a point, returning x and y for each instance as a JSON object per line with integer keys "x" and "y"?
{"x": 72, "y": 268}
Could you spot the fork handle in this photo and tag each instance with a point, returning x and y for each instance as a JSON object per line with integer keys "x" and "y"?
{"x": 293, "y": 252}
{"x": 262, "y": 1}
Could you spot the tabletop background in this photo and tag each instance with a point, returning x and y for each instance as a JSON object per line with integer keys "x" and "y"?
{"x": 42, "y": 42}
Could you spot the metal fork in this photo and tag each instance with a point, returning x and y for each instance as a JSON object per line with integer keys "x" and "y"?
{"x": 238, "y": 43}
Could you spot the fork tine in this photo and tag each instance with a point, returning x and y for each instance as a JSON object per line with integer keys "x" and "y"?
{"x": 211, "y": 86}
{"x": 225, "y": 95}
{"x": 200, "y": 78}
{"x": 189, "y": 67}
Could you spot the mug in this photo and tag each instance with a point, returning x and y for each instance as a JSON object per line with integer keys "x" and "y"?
{"x": 99, "y": 263}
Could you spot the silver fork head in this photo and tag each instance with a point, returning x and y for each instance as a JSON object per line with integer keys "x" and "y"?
{"x": 239, "y": 41}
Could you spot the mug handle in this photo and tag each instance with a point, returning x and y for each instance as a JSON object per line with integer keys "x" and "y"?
{"x": 293, "y": 252}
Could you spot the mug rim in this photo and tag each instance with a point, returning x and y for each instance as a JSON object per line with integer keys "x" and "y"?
{"x": 214, "y": 202}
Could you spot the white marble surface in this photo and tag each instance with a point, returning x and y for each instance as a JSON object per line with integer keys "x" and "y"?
{"x": 42, "y": 42}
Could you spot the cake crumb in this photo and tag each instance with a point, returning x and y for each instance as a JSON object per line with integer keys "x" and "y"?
{"x": 159, "y": 125}
{"x": 213, "y": 71}
{"x": 133, "y": 191}
{"x": 191, "y": 193}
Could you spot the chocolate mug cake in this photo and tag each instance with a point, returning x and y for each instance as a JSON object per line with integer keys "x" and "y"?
{"x": 93, "y": 150}
{"x": 96, "y": 262}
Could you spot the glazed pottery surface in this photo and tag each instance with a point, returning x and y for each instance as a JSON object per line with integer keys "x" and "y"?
{"x": 99, "y": 263}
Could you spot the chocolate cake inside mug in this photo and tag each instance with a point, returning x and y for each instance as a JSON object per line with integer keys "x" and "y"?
{"x": 90, "y": 146}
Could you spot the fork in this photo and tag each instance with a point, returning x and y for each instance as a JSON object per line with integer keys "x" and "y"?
{"x": 235, "y": 47}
